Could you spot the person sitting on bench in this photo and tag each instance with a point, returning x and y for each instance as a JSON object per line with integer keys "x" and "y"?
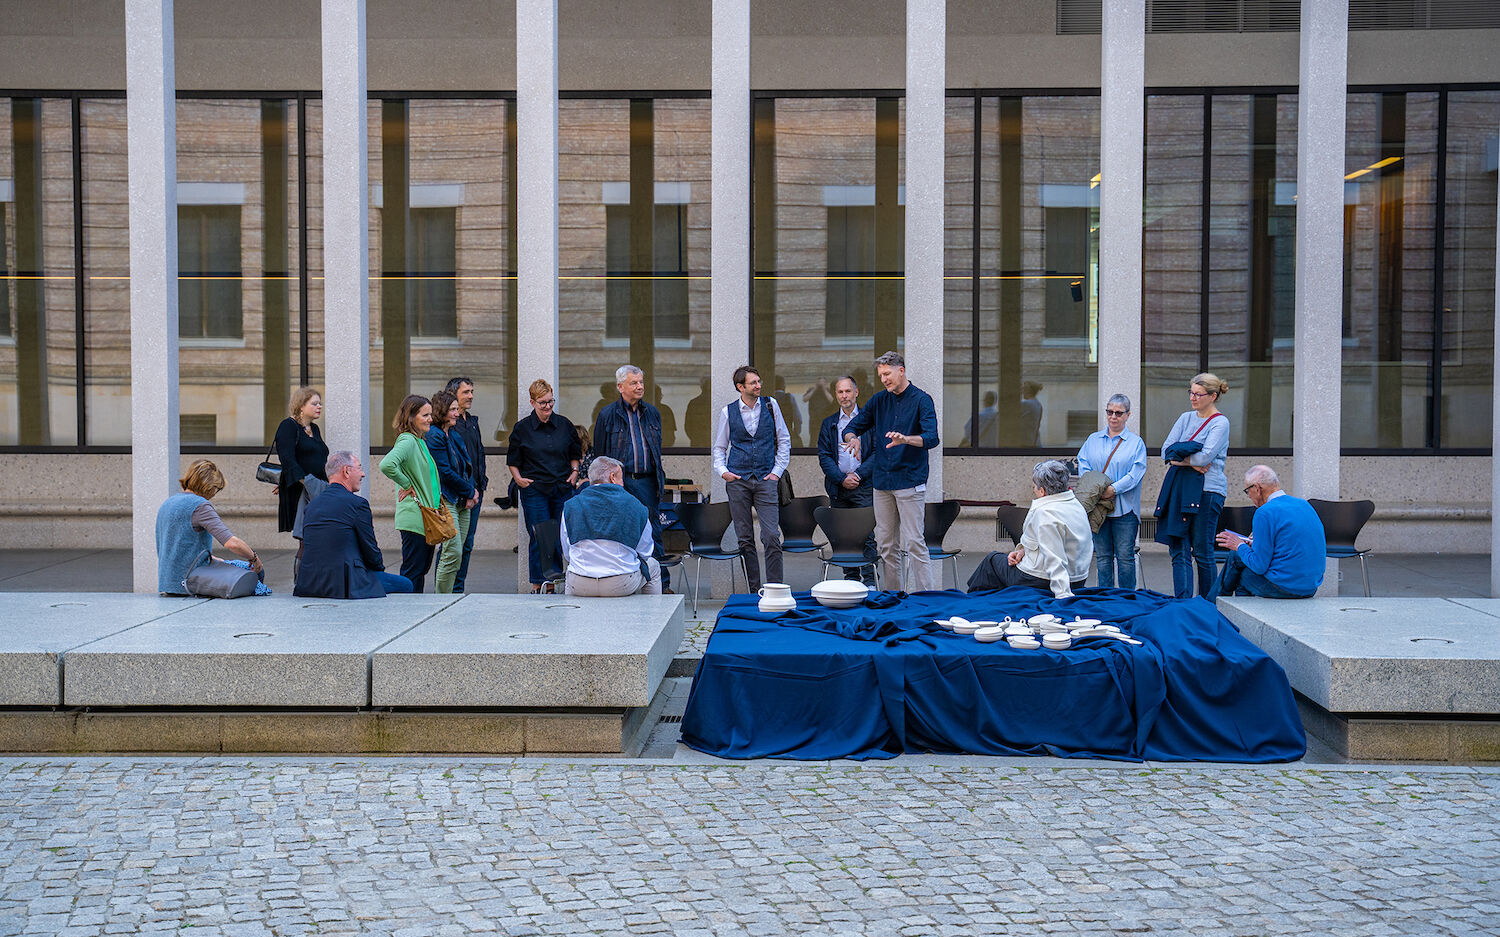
{"x": 340, "y": 559}
{"x": 1284, "y": 556}
{"x": 606, "y": 537}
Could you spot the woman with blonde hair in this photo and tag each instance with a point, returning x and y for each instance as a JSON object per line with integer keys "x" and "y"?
{"x": 409, "y": 464}
{"x": 302, "y": 453}
{"x": 187, "y": 526}
{"x": 543, "y": 460}
{"x": 1194, "y": 490}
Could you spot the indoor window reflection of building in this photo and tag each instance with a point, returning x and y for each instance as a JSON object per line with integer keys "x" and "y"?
{"x": 209, "y": 272}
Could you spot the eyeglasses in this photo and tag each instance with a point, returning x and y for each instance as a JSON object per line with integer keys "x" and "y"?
{"x": 1248, "y": 487}
{"x": 1116, "y": 412}
{"x": 1195, "y": 395}
{"x": 546, "y": 403}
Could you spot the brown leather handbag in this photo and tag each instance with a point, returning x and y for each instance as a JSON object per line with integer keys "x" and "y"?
{"x": 437, "y": 525}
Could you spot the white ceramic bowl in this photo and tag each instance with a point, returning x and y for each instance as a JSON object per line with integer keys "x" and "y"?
{"x": 1057, "y": 642}
{"x": 841, "y": 588}
{"x": 965, "y": 627}
{"x": 989, "y": 635}
{"x": 1043, "y": 618}
{"x": 1027, "y": 644}
{"x": 831, "y": 602}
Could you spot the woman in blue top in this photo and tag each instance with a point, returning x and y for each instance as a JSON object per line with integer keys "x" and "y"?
{"x": 1204, "y": 423}
{"x": 454, "y": 468}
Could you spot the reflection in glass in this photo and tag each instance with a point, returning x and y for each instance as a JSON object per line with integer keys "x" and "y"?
{"x": 38, "y": 358}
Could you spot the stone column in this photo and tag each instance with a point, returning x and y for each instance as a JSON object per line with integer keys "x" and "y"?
{"x": 729, "y": 254}
{"x": 346, "y": 232}
{"x": 151, "y": 141}
{"x": 1122, "y": 169}
{"x": 926, "y": 133}
{"x": 1319, "y": 348}
{"x": 536, "y": 215}
{"x": 1495, "y": 438}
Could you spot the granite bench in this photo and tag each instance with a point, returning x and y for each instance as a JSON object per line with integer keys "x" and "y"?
{"x": 1387, "y": 679}
{"x": 420, "y": 673}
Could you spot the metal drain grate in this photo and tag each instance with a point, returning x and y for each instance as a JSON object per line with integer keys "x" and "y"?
{"x": 670, "y": 719}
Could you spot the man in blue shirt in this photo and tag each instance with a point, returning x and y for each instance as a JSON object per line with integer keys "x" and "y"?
{"x": 752, "y": 446}
{"x": 846, "y": 477}
{"x": 1120, "y": 454}
{"x": 904, "y": 416}
{"x": 1284, "y": 556}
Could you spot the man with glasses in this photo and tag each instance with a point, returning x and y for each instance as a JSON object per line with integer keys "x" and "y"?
{"x": 1284, "y": 556}
{"x": 1120, "y": 454}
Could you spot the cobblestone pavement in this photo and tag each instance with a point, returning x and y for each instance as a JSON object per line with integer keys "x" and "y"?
{"x": 451, "y": 846}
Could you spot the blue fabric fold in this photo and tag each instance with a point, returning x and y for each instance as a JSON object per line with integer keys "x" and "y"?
{"x": 882, "y": 678}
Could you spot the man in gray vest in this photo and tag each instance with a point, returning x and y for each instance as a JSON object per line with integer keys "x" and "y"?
{"x": 752, "y": 447}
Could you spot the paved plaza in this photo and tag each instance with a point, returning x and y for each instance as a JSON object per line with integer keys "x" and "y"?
{"x": 211, "y": 846}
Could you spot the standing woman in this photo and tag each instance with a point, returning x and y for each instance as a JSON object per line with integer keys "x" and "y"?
{"x": 543, "y": 460}
{"x": 411, "y": 467}
{"x": 302, "y": 453}
{"x": 454, "y": 468}
{"x": 1192, "y": 531}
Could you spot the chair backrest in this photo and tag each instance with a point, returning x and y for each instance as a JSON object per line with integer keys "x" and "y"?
{"x": 548, "y": 537}
{"x": 1012, "y": 518}
{"x": 1238, "y": 519}
{"x": 939, "y": 516}
{"x": 705, "y": 523}
{"x": 846, "y": 528}
{"x": 796, "y": 517}
{"x": 1342, "y": 520}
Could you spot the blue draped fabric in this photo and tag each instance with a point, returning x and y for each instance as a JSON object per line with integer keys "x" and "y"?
{"x": 882, "y": 679}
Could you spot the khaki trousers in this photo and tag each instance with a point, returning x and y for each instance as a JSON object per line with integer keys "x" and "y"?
{"x": 616, "y": 586}
{"x": 900, "y": 516}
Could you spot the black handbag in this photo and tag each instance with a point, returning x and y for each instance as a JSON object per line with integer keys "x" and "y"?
{"x": 220, "y": 580}
{"x": 268, "y": 471}
{"x": 784, "y": 492}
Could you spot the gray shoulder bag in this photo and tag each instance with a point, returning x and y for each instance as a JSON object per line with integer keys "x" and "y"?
{"x": 219, "y": 580}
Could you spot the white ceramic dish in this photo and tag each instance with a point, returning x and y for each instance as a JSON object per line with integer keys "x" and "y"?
{"x": 944, "y": 623}
{"x": 1041, "y": 619}
{"x": 1056, "y": 642}
{"x": 840, "y": 602}
{"x": 1025, "y": 644}
{"x": 965, "y": 627}
{"x": 989, "y": 635}
{"x": 1084, "y": 623}
{"x": 840, "y": 588}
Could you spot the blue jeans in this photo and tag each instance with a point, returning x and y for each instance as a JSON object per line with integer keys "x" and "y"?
{"x": 537, "y": 506}
{"x": 1200, "y": 540}
{"x": 1114, "y": 546}
{"x": 646, "y": 492}
{"x": 394, "y": 584}
{"x": 1238, "y": 579}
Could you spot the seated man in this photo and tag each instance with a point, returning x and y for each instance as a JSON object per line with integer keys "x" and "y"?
{"x": 606, "y": 537}
{"x": 340, "y": 559}
{"x": 1285, "y": 554}
{"x": 1057, "y": 544}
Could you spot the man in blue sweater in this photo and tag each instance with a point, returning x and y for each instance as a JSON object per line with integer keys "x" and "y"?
{"x": 1284, "y": 557}
{"x": 904, "y": 417}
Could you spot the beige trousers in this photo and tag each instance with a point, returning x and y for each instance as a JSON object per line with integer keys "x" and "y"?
{"x": 900, "y": 516}
{"x": 616, "y": 586}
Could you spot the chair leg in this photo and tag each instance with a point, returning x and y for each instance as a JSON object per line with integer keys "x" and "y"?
{"x": 1140, "y": 571}
{"x": 696, "y": 570}
{"x": 1364, "y": 574}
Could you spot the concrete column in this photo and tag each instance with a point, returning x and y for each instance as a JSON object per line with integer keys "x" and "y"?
{"x": 536, "y": 213}
{"x": 151, "y": 141}
{"x": 926, "y": 133}
{"x": 346, "y": 232}
{"x": 1318, "y": 356}
{"x": 729, "y": 257}
{"x": 1122, "y": 170}
{"x": 1495, "y": 436}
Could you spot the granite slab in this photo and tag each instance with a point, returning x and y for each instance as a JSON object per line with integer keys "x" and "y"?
{"x": 278, "y": 651}
{"x": 37, "y": 629}
{"x": 533, "y": 651}
{"x": 1426, "y": 656}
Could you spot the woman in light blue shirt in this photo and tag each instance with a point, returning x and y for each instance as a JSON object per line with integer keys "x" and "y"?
{"x": 1120, "y": 454}
{"x": 1204, "y": 423}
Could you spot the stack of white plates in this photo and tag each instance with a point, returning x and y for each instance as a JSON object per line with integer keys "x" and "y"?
{"x": 960, "y": 626}
{"x": 990, "y": 633}
{"x": 840, "y": 593}
{"x": 1056, "y": 641}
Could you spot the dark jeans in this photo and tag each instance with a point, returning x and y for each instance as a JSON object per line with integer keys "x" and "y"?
{"x": 1238, "y": 579}
{"x": 1114, "y": 548}
{"x": 756, "y": 495}
{"x": 646, "y": 492}
{"x": 394, "y": 584}
{"x": 861, "y": 497}
{"x": 539, "y": 505}
{"x": 463, "y": 568}
{"x": 1009, "y": 575}
{"x": 416, "y": 558}
{"x": 1200, "y": 541}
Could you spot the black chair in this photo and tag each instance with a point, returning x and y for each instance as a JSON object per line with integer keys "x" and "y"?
{"x": 1342, "y": 522}
{"x": 847, "y": 529}
{"x": 1238, "y": 519}
{"x": 798, "y": 524}
{"x": 705, "y": 525}
{"x": 1010, "y": 519}
{"x": 940, "y": 516}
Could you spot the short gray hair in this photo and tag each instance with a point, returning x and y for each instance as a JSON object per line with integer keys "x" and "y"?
{"x": 1050, "y": 476}
{"x": 337, "y": 461}
{"x": 1120, "y": 399}
{"x": 891, "y": 359}
{"x": 1262, "y": 475}
{"x": 625, "y": 370}
{"x": 603, "y": 467}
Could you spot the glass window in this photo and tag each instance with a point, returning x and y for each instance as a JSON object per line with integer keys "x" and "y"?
{"x": 1390, "y": 213}
{"x": 38, "y": 350}
{"x": 633, "y": 243}
{"x": 208, "y": 272}
{"x": 1468, "y": 310}
{"x": 959, "y": 298}
{"x": 106, "y": 258}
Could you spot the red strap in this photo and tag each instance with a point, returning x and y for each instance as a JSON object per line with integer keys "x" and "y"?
{"x": 1200, "y": 429}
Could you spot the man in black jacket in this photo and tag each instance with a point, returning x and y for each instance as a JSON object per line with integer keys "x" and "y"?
{"x": 467, "y": 429}
{"x": 846, "y": 477}
{"x": 341, "y": 559}
{"x": 628, "y": 430}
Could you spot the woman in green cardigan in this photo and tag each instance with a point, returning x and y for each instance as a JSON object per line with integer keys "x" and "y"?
{"x": 410, "y": 466}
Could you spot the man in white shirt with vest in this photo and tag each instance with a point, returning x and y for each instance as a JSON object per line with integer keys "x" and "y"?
{"x": 752, "y": 447}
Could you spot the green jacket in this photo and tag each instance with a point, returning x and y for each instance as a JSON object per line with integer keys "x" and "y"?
{"x": 410, "y": 465}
